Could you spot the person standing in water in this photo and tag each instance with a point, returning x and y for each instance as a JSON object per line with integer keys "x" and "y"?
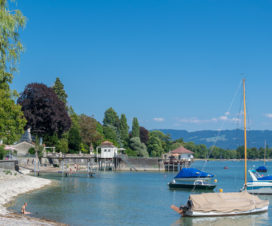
{"x": 23, "y": 209}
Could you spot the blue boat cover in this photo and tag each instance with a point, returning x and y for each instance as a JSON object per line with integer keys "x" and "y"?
{"x": 261, "y": 169}
{"x": 192, "y": 173}
{"x": 265, "y": 178}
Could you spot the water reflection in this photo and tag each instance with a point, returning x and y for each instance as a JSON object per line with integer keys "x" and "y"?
{"x": 256, "y": 219}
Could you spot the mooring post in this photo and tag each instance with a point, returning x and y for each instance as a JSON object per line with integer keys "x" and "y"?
{"x": 62, "y": 166}
{"x": 38, "y": 168}
{"x": 35, "y": 167}
{"x": 88, "y": 167}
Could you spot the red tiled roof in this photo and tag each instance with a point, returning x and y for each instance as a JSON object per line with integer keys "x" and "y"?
{"x": 181, "y": 150}
{"x": 106, "y": 144}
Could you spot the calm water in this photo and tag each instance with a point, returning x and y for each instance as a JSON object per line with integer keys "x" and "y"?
{"x": 133, "y": 198}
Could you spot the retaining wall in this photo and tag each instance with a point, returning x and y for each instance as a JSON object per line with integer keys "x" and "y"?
{"x": 9, "y": 164}
{"x": 141, "y": 164}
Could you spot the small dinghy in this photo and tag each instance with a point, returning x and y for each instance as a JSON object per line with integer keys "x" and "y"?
{"x": 197, "y": 184}
{"x": 222, "y": 204}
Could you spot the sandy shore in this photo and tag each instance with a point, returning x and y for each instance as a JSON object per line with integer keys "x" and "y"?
{"x": 12, "y": 184}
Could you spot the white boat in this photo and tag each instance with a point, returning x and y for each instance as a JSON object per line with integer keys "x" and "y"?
{"x": 260, "y": 187}
{"x": 225, "y": 204}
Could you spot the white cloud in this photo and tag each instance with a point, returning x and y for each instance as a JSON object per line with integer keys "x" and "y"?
{"x": 223, "y": 118}
{"x": 195, "y": 120}
{"x": 268, "y": 115}
{"x": 158, "y": 119}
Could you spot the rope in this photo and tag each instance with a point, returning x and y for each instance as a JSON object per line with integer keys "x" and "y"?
{"x": 219, "y": 131}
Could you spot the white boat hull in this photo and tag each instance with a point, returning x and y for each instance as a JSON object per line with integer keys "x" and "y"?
{"x": 261, "y": 188}
{"x": 190, "y": 213}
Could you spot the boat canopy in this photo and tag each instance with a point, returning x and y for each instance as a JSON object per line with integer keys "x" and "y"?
{"x": 192, "y": 173}
{"x": 226, "y": 202}
{"x": 261, "y": 169}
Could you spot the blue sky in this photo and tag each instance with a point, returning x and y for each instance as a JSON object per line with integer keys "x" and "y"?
{"x": 172, "y": 64}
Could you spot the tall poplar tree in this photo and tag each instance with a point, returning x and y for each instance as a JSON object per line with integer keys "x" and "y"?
{"x": 124, "y": 129}
{"x": 135, "y": 128}
{"x": 111, "y": 126}
{"x": 58, "y": 87}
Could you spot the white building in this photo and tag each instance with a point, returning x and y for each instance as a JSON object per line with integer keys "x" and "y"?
{"x": 107, "y": 150}
{"x": 180, "y": 153}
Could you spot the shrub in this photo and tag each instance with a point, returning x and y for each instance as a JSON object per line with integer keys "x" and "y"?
{"x": 32, "y": 151}
{"x": 3, "y": 152}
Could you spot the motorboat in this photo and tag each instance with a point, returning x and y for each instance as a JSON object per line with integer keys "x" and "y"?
{"x": 257, "y": 177}
{"x": 256, "y": 186}
{"x": 192, "y": 174}
{"x": 197, "y": 184}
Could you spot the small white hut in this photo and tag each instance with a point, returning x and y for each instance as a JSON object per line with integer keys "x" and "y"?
{"x": 107, "y": 150}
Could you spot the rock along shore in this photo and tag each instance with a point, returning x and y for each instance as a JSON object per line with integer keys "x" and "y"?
{"x": 13, "y": 184}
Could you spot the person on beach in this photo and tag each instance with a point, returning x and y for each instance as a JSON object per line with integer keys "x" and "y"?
{"x": 23, "y": 209}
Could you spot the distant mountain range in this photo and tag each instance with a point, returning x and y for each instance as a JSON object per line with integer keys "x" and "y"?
{"x": 227, "y": 139}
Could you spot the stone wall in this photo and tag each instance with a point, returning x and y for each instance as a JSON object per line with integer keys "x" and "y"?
{"x": 141, "y": 164}
{"x": 9, "y": 164}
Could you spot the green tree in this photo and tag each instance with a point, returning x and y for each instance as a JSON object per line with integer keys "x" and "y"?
{"x": 12, "y": 21}
{"x": 12, "y": 120}
{"x": 154, "y": 147}
{"x": 110, "y": 133}
{"x": 124, "y": 129}
{"x": 111, "y": 118}
{"x": 3, "y": 152}
{"x": 58, "y": 87}
{"x": 11, "y": 117}
{"x": 74, "y": 140}
{"x": 62, "y": 145}
{"x": 88, "y": 130}
{"x": 135, "y": 128}
{"x": 165, "y": 139}
{"x": 138, "y": 147}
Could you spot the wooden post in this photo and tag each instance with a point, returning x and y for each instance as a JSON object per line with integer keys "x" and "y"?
{"x": 38, "y": 168}
{"x": 35, "y": 167}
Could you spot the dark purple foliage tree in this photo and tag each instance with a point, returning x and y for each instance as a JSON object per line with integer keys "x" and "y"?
{"x": 44, "y": 111}
{"x": 144, "y": 135}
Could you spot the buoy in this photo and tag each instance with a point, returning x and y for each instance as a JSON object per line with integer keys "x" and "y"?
{"x": 221, "y": 190}
{"x": 215, "y": 181}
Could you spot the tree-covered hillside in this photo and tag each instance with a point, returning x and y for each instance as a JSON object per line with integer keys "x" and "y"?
{"x": 227, "y": 139}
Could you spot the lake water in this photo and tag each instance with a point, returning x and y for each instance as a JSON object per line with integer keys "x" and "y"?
{"x": 134, "y": 198}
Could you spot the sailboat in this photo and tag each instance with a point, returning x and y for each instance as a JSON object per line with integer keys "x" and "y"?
{"x": 224, "y": 204}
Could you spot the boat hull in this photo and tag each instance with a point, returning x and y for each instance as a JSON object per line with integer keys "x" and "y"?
{"x": 260, "y": 188}
{"x": 190, "y": 213}
{"x": 193, "y": 178}
{"x": 195, "y": 186}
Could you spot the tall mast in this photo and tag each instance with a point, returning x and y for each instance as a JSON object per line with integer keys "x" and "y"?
{"x": 245, "y": 132}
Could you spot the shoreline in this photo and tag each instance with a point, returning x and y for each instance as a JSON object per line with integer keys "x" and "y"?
{"x": 14, "y": 184}
{"x": 235, "y": 160}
